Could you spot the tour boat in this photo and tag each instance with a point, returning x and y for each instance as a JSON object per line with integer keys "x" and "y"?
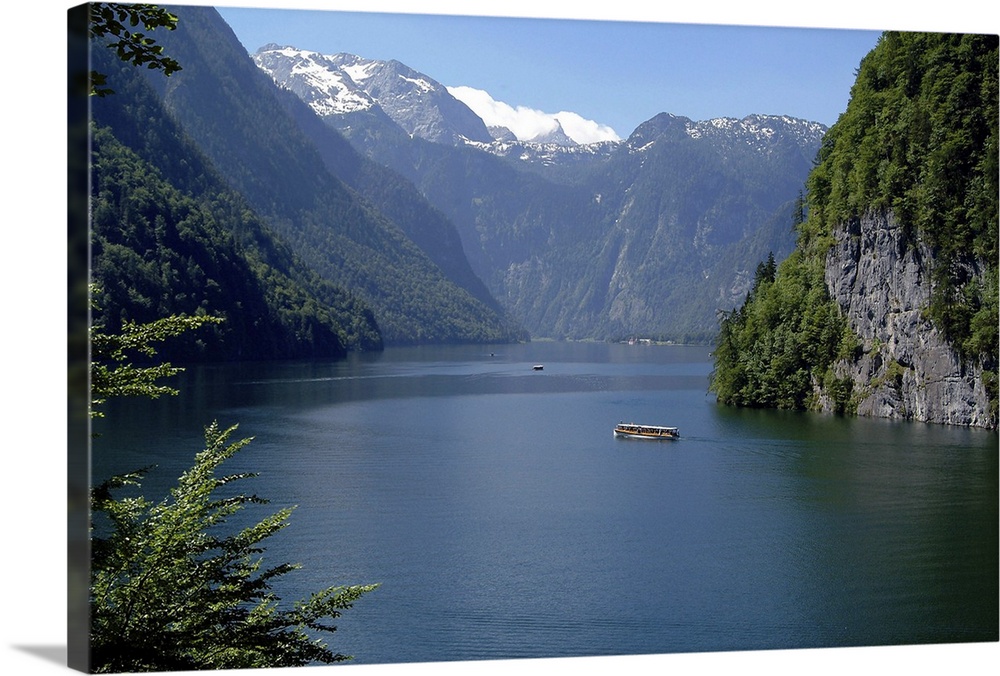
{"x": 633, "y": 431}
{"x": 538, "y": 367}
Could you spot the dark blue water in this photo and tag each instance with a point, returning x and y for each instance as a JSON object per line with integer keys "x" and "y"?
{"x": 504, "y": 520}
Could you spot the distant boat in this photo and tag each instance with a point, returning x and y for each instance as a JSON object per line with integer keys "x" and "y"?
{"x": 537, "y": 367}
{"x": 655, "y": 432}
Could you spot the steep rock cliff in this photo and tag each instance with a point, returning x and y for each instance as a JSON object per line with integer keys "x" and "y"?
{"x": 904, "y": 367}
{"x": 888, "y": 306}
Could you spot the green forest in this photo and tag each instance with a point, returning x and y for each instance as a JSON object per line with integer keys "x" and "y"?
{"x": 918, "y": 140}
{"x": 191, "y": 218}
{"x": 158, "y": 252}
{"x": 170, "y": 237}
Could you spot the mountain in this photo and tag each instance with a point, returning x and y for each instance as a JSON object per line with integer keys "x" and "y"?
{"x": 344, "y": 83}
{"x": 888, "y": 305}
{"x": 389, "y": 188}
{"x": 651, "y": 235}
{"x": 395, "y": 197}
{"x": 555, "y": 136}
{"x": 240, "y": 122}
{"x": 168, "y": 236}
{"x": 687, "y": 211}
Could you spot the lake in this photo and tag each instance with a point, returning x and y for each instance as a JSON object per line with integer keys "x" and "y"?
{"x": 504, "y": 520}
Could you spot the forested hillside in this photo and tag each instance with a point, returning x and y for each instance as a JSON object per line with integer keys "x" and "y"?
{"x": 169, "y": 237}
{"x": 888, "y": 306}
{"x": 233, "y": 113}
{"x": 395, "y": 197}
{"x": 920, "y": 140}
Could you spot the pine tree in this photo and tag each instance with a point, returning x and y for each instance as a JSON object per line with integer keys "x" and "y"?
{"x": 172, "y": 591}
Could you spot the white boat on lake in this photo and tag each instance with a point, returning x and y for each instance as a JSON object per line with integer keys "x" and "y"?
{"x": 655, "y": 432}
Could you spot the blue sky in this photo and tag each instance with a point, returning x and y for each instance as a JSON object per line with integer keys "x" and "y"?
{"x": 618, "y": 73}
{"x": 618, "y": 63}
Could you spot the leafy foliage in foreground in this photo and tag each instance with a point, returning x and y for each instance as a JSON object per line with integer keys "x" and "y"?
{"x": 112, "y": 373}
{"x": 111, "y": 21}
{"x": 170, "y": 592}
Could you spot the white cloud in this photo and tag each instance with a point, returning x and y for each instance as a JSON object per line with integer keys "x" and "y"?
{"x": 578, "y": 128}
{"x": 528, "y": 123}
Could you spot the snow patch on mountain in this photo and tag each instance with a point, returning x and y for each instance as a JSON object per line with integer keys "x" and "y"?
{"x": 419, "y": 82}
{"x": 760, "y": 132}
{"x": 359, "y": 72}
{"x": 529, "y": 124}
{"x": 326, "y": 85}
{"x": 340, "y": 84}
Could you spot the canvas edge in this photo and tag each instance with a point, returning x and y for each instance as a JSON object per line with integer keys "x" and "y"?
{"x": 78, "y": 319}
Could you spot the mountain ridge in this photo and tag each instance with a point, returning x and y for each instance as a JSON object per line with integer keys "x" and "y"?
{"x": 342, "y": 83}
{"x": 542, "y": 226}
{"x": 333, "y": 84}
{"x": 233, "y": 112}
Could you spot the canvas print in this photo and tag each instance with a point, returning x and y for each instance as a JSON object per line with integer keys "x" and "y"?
{"x": 425, "y": 338}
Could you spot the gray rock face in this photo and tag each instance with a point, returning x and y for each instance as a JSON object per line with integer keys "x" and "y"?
{"x": 906, "y": 369}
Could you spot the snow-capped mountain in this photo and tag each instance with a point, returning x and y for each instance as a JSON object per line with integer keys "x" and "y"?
{"x": 556, "y": 135}
{"x": 318, "y": 80}
{"x": 576, "y": 238}
{"x": 341, "y": 84}
{"x": 760, "y": 132}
